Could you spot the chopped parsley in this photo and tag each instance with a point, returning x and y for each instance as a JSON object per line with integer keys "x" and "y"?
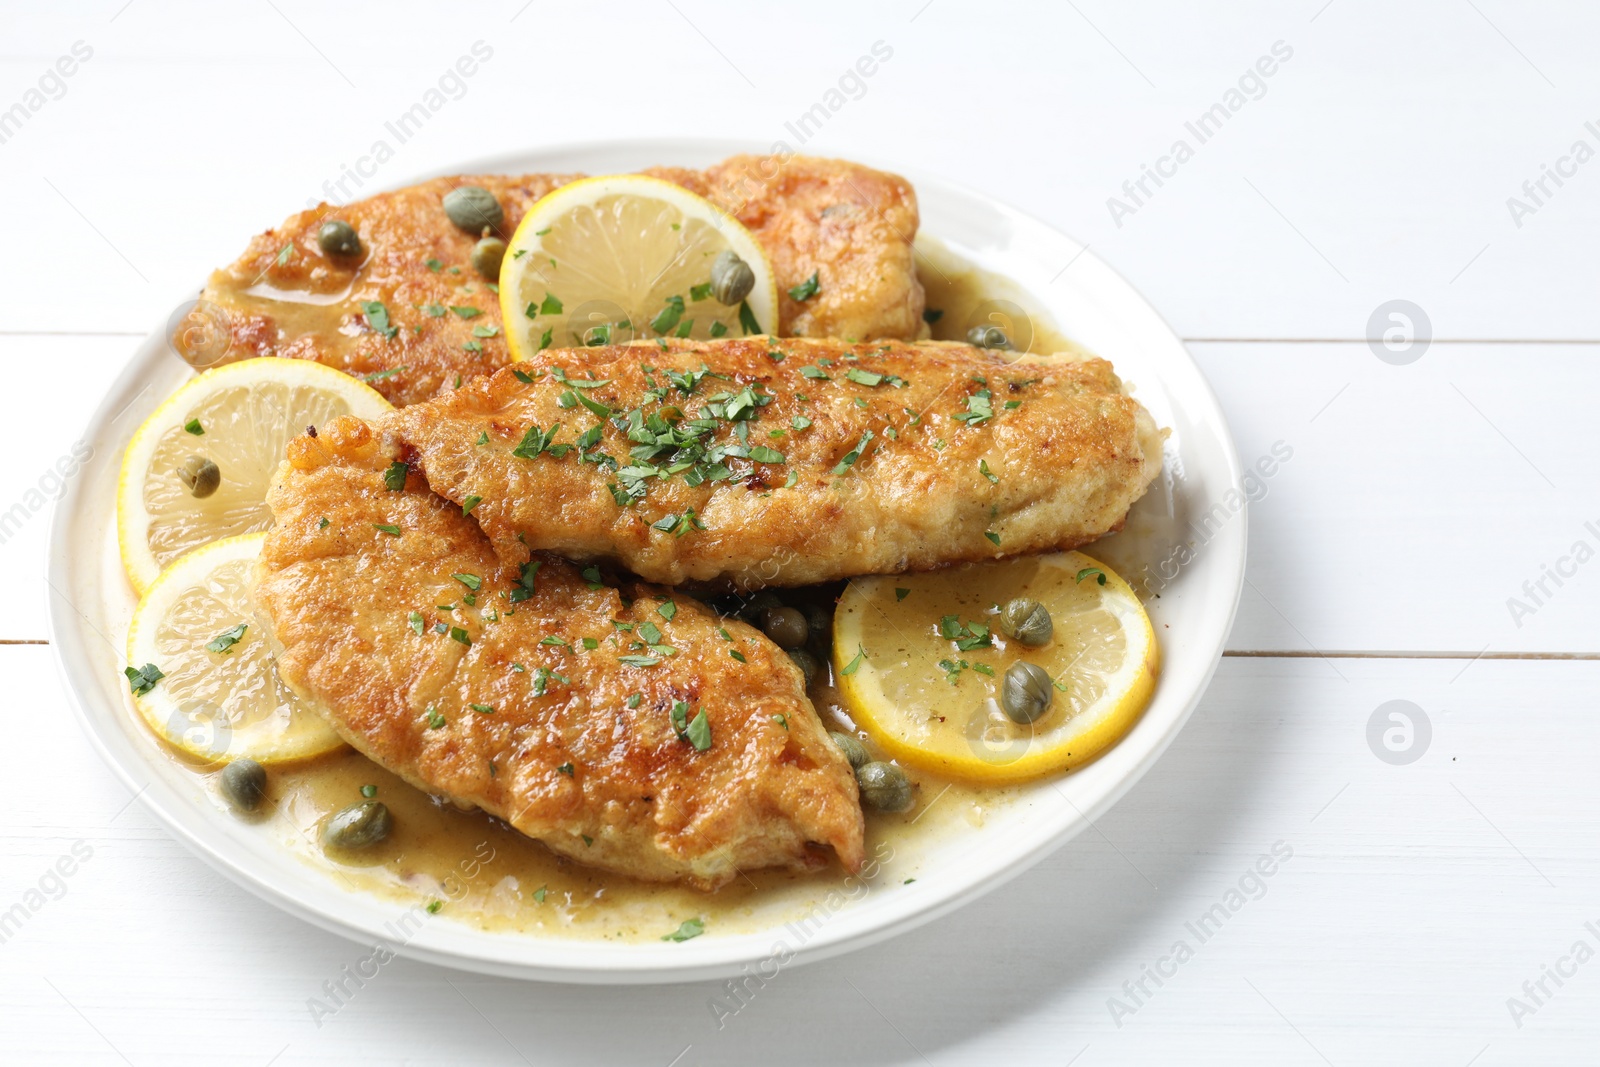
{"x": 854, "y": 454}
{"x": 1100, "y": 575}
{"x": 687, "y": 930}
{"x": 980, "y": 409}
{"x": 991, "y": 535}
{"x": 471, "y": 581}
{"x": 388, "y": 528}
{"x": 482, "y": 709}
{"x": 143, "y": 679}
{"x": 378, "y": 318}
{"x": 459, "y": 636}
{"x": 551, "y": 306}
{"x": 380, "y": 375}
{"x": 466, "y": 312}
{"x": 525, "y": 582}
{"x": 747, "y": 318}
{"x": 395, "y": 477}
{"x": 901, "y": 594}
{"x": 566, "y": 769}
{"x": 983, "y": 469}
{"x": 416, "y": 621}
{"x": 193, "y": 426}
{"x": 667, "y": 610}
{"x": 855, "y": 664}
{"x": 223, "y": 643}
{"x": 967, "y": 636}
{"x": 806, "y": 289}
{"x": 435, "y": 720}
{"x": 468, "y": 504}
{"x": 668, "y": 316}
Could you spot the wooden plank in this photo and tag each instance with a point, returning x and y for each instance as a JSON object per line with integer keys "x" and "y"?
{"x": 1353, "y": 179}
{"x": 1374, "y": 535}
{"x": 1416, "y": 900}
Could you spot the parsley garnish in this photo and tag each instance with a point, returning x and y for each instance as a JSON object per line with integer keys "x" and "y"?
{"x": 806, "y": 289}
{"x": 566, "y": 769}
{"x": 551, "y": 306}
{"x": 378, "y": 318}
{"x": 143, "y": 679}
{"x": 482, "y": 709}
{"x": 667, "y": 610}
{"x": 536, "y": 441}
{"x": 459, "y": 636}
{"x": 468, "y": 504}
{"x": 855, "y": 664}
{"x": 747, "y": 318}
{"x": 991, "y": 535}
{"x": 471, "y": 581}
{"x": 395, "y": 477}
{"x": 668, "y": 316}
{"x": 979, "y": 409}
{"x": 901, "y": 594}
{"x": 392, "y": 531}
{"x": 688, "y": 929}
{"x": 525, "y": 582}
{"x": 416, "y": 621}
{"x": 435, "y": 720}
{"x": 466, "y": 312}
{"x": 854, "y": 454}
{"x": 223, "y": 643}
{"x": 983, "y": 469}
{"x": 380, "y": 375}
{"x": 1100, "y": 575}
{"x": 193, "y": 426}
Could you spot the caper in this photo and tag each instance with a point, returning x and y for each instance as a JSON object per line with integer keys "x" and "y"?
{"x": 731, "y": 279}
{"x": 1025, "y": 692}
{"x": 808, "y": 664}
{"x": 786, "y": 626}
{"x": 757, "y": 606}
{"x": 357, "y": 826}
{"x": 337, "y": 238}
{"x": 988, "y": 337}
{"x": 486, "y": 256}
{"x": 244, "y": 783}
{"x": 473, "y": 207}
{"x": 200, "y": 476}
{"x": 1027, "y": 621}
{"x": 820, "y": 619}
{"x": 884, "y": 786}
{"x": 851, "y": 746}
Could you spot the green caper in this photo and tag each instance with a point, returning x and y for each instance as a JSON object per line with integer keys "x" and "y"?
{"x": 200, "y": 476}
{"x": 988, "y": 337}
{"x": 884, "y": 786}
{"x": 1025, "y": 692}
{"x": 786, "y": 626}
{"x": 1027, "y": 621}
{"x": 820, "y": 619}
{"x": 357, "y": 826}
{"x": 808, "y": 664}
{"x": 473, "y": 207}
{"x": 731, "y": 279}
{"x": 486, "y": 256}
{"x": 244, "y": 783}
{"x": 851, "y": 746}
{"x": 758, "y": 605}
{"x": 338, "y": 238}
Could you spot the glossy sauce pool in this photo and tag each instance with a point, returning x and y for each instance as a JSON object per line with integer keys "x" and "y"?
{"x": 471, "y": 868}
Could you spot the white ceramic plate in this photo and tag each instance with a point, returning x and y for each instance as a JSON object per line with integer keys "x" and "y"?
{"x": 1199, "y": 569}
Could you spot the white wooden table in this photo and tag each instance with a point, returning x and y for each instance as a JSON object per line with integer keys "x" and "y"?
{"x": 1374, "y": 164}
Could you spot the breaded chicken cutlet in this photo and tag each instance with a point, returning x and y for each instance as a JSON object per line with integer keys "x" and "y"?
{"x": 609, "y": 722}
{"x": 774, "y": 462}
{"x": 285, "y": 296}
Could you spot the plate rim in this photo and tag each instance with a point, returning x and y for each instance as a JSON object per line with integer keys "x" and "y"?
{"x": 712, "y": 957}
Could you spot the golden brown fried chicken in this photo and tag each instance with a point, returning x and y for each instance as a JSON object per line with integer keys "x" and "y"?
{"x": 786, "y": 462}
{"x": 850, "y": 224}
{"x": 611, "y": 723}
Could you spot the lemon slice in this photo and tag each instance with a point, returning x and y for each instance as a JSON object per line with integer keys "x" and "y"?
{"x": 218, "y": 696}
{"x": 607, "y": 260}
{"x": 246, "y": 413}
{"x": 920, "y": 661}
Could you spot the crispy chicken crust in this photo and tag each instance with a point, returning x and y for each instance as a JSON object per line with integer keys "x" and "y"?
{"x": 850, "y": 224}
{"x": 814, "y": 460}
{"x": 501, "y": 706}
